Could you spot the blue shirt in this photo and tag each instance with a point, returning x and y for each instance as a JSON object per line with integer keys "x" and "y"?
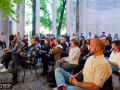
{"x": 115, "y": 39}
{"x": 102, "y": 36}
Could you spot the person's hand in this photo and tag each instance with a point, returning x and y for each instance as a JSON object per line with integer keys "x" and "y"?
{"x": 21, "y": 53}
{"x": 85, "y": 57}
{"x": 73, "y": 81}
{"x": 63, "y": 58}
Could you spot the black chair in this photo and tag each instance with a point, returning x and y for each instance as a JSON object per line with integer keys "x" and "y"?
{"x": 108, "y": 84}
{"x": 30, "y": 66}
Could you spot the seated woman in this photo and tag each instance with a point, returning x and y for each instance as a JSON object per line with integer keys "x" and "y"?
{"x": 72, "y": 60}
{"x": 107, "y": 48}
{"x": 55, "y": 55}
{"x": 114, "y": 58}
{"x": 10, "y": 48}
{"x": 84, "y": 48}
{"x": 88, "y": 43}
{"x": 6, "y": 59}
{"x": 45, "y": 49}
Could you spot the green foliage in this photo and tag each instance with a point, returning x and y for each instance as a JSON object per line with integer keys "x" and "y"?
{"x": 7, "y": 6}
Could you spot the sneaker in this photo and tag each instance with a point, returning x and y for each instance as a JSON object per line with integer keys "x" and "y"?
{"x": 1, "y": 65}
{"x": 4, "y": 70}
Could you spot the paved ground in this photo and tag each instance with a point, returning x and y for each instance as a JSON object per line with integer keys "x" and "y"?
{"x": 32, "y": 83}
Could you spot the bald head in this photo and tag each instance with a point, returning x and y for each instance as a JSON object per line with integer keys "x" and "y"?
{"x": 100, "y": 43}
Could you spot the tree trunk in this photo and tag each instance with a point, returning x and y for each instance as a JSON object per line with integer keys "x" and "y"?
{"x": 33, "y": 16}
{"x": 61, "y": 17}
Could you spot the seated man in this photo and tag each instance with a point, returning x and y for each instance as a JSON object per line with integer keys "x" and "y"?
{"x": 22, "y": 58}
{"x": 96, "y": 71}
{"x": 64, "y": 45}
{"x": 72, "y": 60}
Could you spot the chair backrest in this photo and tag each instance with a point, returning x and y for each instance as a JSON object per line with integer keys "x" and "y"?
{"x": 108, "y": 84}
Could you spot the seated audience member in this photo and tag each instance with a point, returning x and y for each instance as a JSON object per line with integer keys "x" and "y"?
{"x": 109, "y": 37}
{"x": 51, "y": 43}
{"x": 6, "y": 59}
{"x": 114, "y": 58}
{"x": 67, "y": 45}
{"x": 64, "y": 45}
{"x": 84, "y": 48}
{"x": 81, "y": 38}
{"x": 116, "y": 37}
{"x": 88, "y": 43}
{"x": 90, "y": 36}
{"x": 56, "y": 53}
{"x": 15, "y": 39}
{"x": 96, "y": 71}
{"x": 107, "y": 48}
{"x": 72, "y": 60}
{"x": 10, "y": 48}
{"x": 103, "y": 35}
{"x": 19, "y": 59}
{"x": 45, "y": 49}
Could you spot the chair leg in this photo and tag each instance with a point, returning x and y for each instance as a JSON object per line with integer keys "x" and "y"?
{"x": 30, "y": 70}
{"x": 24, "y": 76}
{"x": 36, "y": 73}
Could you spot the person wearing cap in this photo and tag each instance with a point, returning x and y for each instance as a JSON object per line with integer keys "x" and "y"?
{"x": 1, "y": 40}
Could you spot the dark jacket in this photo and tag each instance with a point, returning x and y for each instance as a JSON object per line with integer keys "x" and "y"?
{"x": 64, "y": 46}
{"x": 46, "y": 48}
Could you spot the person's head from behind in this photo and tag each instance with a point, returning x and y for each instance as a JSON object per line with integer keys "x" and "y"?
{"x": 57, "y": 42}
{"x": 83, "y": 42}
{"x": 116, "y": 45}
{"x": 96, "y": 46}
{"x": 108, "y": 41}
{"x": 74, "y": 42}
{"x": 12, "y": 42}
{"x": 88, "y": 41}
{"x": 47, "y": 41}
{"x": 103, "y": 33}
{"x": 116, "y": 35}
{"x": 62, "y": 40}
{"x": 24, "y": 42}
{"x": 16, "y": 44}
{"x": 34, "y": 40}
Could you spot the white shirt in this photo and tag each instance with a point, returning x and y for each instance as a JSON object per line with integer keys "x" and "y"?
{"x": 96, "y": 70}
{"x": 88, "y": 37}
{"x": 115, "y": 58}
{"x": 74, "y": 56}
{"x": 2, "y": 38}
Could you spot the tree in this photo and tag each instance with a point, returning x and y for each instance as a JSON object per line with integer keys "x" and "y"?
{"x": 6, "y": 6}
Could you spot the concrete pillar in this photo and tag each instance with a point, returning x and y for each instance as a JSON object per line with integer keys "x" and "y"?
{"x": 82, "y": 17}
{"x": 69, "y": 17}
{"x": 54, "y": 18}
{"x": 21, "y": 19}
{"x": 37, "y": 21}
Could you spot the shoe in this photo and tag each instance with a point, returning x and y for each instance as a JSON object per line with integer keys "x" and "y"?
{"x": 1, "y": 65}
{"x": 14, "y": 82}
{"x": 15, "y": 69}
{"x": 4, "y": 70}
{"x": 44, "y": 73}
{"x": 53, "y": 85}
{"x": 51, "y": 79}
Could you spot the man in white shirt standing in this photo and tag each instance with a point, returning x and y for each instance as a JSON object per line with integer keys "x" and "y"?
{"x": 90, "y": 36}
{"x": 1, "y": 40}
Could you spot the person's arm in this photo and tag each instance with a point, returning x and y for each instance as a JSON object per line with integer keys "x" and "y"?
{"x": 31, "y": 54}
{"x": 55, "y": 51}
{"x": 115, "y": 64}
{"x": 74, "y": 56}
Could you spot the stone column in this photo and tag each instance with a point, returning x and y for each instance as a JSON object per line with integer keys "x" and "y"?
{"x": 69, "y": 17}
{"x": 82, "y": 17}
{"x": 54, "y": 18}
{"x": 21, "y": 19}
{"x": 37, "y": 21}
